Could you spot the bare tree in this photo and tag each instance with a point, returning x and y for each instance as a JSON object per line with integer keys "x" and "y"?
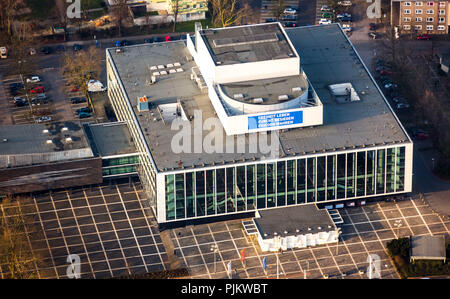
{"x": 121, "y": 13}
{"x": 278, "y": 9}
{"x": 175, "y": 6}
{"x": 228, "y": 12}
{"x": 82, "y": 67}
{"x": 17, "y": 231}
{"x": 7, "y": 13}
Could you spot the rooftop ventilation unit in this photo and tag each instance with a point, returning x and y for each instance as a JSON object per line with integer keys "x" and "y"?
{"x": 143, "y": 104}
{"x": 257, "y": 101}
{"x": 283, "y": 97}
{"x": 297, "y": 89}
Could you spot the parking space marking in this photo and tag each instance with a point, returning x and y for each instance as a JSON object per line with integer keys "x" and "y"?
{"x": 198, "y": 247}
{"x": 404, "y": 219}
{"x": 421, "y": 217}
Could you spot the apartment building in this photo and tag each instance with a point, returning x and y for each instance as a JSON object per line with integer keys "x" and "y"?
{"x": 420, "y": 17}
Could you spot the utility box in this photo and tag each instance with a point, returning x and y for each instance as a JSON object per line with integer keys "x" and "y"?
{"x": 142, "y": 104}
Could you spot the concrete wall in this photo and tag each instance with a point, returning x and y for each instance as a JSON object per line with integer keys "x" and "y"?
{"x": 298, "y": 241}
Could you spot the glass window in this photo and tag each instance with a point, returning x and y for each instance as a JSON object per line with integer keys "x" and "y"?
{"x": 261, "y": 185}
{"x": 281, "y": 183}
{"x": 220, "y": 178}
{"x": 370, "y": 188}
{"x": 271, "y": 180}
{"x": 311, "y": 179}
{"x": 381, "y": 163}
{"x": 320, "y": 178}
{"x": 231, "y": 195}
{"x": 390, "y": 169}
{"x": 170, "y": 197}
{"x": 290, "y": 182}
{"x": 331, "y": 177}
{"x": 240, "y": 188}
{"x": 360, "y": 173}
{"x": 301, "y": 181}
{"x": 251, "y": 187}
{"x": 400, "y": 170}
{"x": 210, "y": 190}
{"x": 200, "y": 192}
{"x": 351, "y": 161}
{"x": 190, "y": 198}
{"x": 341, "y": 176}
{"x": 179, "y": 183}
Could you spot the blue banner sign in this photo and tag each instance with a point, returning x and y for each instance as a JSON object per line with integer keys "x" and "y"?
{"x": 275, "y": 120}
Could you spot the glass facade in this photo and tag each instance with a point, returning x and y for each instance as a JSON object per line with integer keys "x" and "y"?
{"x": 292, "y": 182}
{"x": 119, "y": 166}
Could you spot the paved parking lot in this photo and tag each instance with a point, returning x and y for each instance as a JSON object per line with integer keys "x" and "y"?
{"x": 108, "y": 226}
{"x": 366, "y": 230}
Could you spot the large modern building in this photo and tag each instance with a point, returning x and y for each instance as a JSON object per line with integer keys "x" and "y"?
{"x": 305, "y": 89}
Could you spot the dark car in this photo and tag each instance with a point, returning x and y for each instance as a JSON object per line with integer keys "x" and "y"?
{"x": 420, "y": 134}
{"x": 345, "y": 19}
{"x": 183, "y": 37}
{"x": 60, "y": 48}
{"x": 290, "y": 24}
{"x": 84, "y": 115}
{"x": 271, "y": 20}
{"x": 372, "y": 26}
{"x": 77, "y": 47}
{"x": 45, "y": 50}
{"x": 13, "y": 87}
{"x": 289, "y": 18}
{"x": 147, "y": 41}
{"x": 125, "y": 43}
{"x": 84, "y": 109}
{"x": 78, "y": 100}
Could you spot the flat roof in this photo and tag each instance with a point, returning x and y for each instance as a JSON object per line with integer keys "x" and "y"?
{"x": 307, "y": 219}
{"x": 250, "y": 43}
{"x": 327, "y": 58}
{"x": 110, "y": 139}
{"x": 267, "y": 89}
{"x": 31, "y": 144}
{"x": 428, "y": 247}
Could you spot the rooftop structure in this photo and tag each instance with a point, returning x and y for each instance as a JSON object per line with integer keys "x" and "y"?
{"x": 36, "y": 144}
{"x": 427, "y": 248}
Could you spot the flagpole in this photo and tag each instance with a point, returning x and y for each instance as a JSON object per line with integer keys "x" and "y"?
{"x": 278, "y": 273}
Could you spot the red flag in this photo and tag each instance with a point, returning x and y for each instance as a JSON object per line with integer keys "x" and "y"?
{"x": 242, "y": 255}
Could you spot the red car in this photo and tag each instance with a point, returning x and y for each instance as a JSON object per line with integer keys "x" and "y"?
{"x": 74, "y": 89}
{"x": 37, "y": 89}
{"x": 167, "y": 38}
{"x": 385, "y": 73}
{"x": 423, "y": 37}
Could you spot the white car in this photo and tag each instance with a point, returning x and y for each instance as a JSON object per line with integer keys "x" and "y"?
{"x": 324, "y": 21}
{"x": 32, "y": 51}
{"x": 343, "y": 15}
{"x": 290, "y": 11}
{"x": 43, "y": 119}
{"x": 402, "y": 106}
{"x": 325, "y": 8}
{"x": 346, "y": 27}
{"x": 345, "y": 3}
{"x": 33, "y": 79}
{"x": 95, "y": 86}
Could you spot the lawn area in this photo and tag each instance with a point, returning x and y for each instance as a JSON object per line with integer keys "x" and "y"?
{"x": 398, "y": 250}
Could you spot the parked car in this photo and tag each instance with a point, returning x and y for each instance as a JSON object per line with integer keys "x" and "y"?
{"x": 157, "y": 39}
{"x": 60, "y": 48}
{"x": 33, "y": 79}
{"x": 147, "y": 41}
{"x": 290, "y": 10}
{"x": 324, "y": 21}
{"x": 343, "y": 15}
{"x": 345, "y": 19}
{"x": 325, "y": 8}
{"x": 327, "y": 15}
{"x": 84, "y": 115}
{"x": 402, "y": 106}
{"x": 74, "y": 88}
{"x": 43, "y": 119}
{"x": 13, "y": 87}
{"x": 423, "y": 37}
{"x": 32, "y": 51}
{"x": 290, "y": 24}
{"x": 40, "y": 96}
{"x": 420, "y": 134}
{"x": 346, "y": 27}
{"x": 372, "y": 35}
{"x": 385, "y": 72}
{"x": 271, "y": 20}
{"x": 345, "y": 3}
{"x": 78, "y": 100}
{"x": 95, "y": 86}
{"x": 167, "y": 38}
{"x": 397, "y": 99}
{"x": 37, "y": 89}
{"x": 46, "y": 50}
{"x": 291, "y": 18}
{"x": 19, "y": 100}
{"x": 390, "y": 86}
{"x": 84, "y": 109}
{"x": 372, "y": 26}
{"x": 77, "y": 47}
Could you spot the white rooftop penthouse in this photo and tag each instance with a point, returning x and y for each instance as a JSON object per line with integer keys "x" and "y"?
{"x": 254, "y": 78}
